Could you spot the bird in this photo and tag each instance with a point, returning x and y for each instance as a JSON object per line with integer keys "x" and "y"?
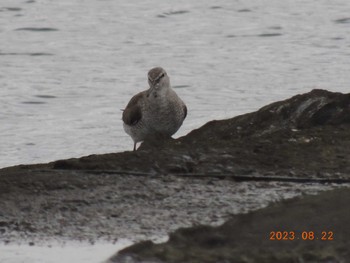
{"x": 155, "y": 112}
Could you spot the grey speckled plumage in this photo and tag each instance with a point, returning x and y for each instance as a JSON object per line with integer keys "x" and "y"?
{"x": 157, "y": 111}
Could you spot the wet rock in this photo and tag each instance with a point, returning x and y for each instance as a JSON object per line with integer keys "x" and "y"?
{"x": 307, "y": 133}
{"x": 316, "y": 108}
{"x": 313, "y": 228}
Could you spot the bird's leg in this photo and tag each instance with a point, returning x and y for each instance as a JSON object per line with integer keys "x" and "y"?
{"x": 134, "y": 146}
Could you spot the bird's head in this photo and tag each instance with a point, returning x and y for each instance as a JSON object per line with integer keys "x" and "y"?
{"x": 158, "y": 79}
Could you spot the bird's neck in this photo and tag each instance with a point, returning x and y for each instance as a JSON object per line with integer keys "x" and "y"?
{"x": 160, "y": 92}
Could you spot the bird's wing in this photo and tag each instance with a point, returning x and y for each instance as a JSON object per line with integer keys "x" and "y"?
{"x": 185, "y": 111}
{"x": 132, "y": 113}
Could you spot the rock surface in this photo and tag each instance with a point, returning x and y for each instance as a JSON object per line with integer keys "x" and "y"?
{"x": 314, "y": 229}
{"x": 306, "y": 135}
{"x": 195, "y": 179}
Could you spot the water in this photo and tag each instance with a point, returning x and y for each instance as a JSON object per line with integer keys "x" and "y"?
{"x": 57, "y": 253}
{"x": 68, "y": 67}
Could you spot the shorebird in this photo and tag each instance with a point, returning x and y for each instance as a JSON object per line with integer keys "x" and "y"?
{"x": 156, "y": 112}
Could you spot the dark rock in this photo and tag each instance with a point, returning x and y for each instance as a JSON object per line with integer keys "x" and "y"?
{"x": 318, "y": 107}
{"x": 246, "y": 238}
{"x": 307, "y": 132}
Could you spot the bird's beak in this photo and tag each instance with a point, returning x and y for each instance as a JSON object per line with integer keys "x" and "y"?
{"x": 155, "y": 86}
{"x": 150, "y": 90}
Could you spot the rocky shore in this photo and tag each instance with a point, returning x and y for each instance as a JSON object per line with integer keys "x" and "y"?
{"x": 312, "y": 229}
{"x": 292, "y": 147}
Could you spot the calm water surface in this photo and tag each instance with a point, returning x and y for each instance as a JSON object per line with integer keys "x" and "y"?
{"x": 67, "y": 68}
{"x": 70, "y": 252}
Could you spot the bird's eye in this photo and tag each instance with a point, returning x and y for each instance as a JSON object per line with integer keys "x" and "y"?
{"x": 160, "y": 77}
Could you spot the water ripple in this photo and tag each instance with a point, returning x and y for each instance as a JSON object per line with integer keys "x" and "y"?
{"x": 33, "y": 102}
{"x": 180, "y": 86}
{"x": 343, "y": 20}
{"x": 36, "y": 29}
{"x": 276, "y": 27}
{"x": 45, "y": 96}
{"x": 245, "y": 10}
{"x": 178, "y": 12}
{"x": 25, "y": 54}
{"x": 270, "y": 35}
{"x": 259, "y": 35}
{"x": 12, "y": 9}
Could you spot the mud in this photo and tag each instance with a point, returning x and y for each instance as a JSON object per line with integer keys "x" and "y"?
{"x": 37, "y": 207}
